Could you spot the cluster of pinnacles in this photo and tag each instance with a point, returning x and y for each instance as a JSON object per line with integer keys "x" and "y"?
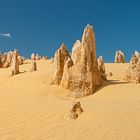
{"x": 79, "y": 72}
{"x": 132, "y": 73}
{"x": 37, "y": 57}
{"x": 13, "y": 60}
{"x": 6, "y": 59}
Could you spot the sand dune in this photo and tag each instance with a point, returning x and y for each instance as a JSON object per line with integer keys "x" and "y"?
{"x": 32, "y": 109}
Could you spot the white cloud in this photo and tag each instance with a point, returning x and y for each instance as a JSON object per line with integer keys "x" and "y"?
{"x": 5, "y": 35}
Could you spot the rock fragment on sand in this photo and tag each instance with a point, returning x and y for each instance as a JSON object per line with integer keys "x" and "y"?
{"x": 74, "y": 112}
{"x": 109, "y": 74}
{"x": 71, "y": 115}
{"x": 77, "y": 107}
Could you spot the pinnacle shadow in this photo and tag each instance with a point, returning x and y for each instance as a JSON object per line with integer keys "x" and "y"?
{"x": 114, "y": 82}
{"x": 21, "y": 72}
{"x": 110, "y": 82}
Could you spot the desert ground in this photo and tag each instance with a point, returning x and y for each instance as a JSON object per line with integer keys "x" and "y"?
{"x": 32, "y": 109}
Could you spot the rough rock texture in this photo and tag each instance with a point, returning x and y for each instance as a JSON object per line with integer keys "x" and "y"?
{"x": 0, "y": 60}
{"x": 79, "y": 74}
{"x": 76, "y": 51}
{"x": 71, "y": 115}
{"x": 34, "y": 66}
{"x": 77, "y": 108}
{"x": 101, "y": 67}
{"x": 45, "y": 57}
{"x": 84, "y": 77}
{"x": 4, "y": 61}
{"x": 60, "y": 58}
{"x": 74, "y": 112}
{"x": 65, "y": 78}
{"x": 51, "y": 60}
{"x": 137, "y": 81}
{"x": 132, "y": 73}
{"x": 33, "y": 56}
{"x": 33, "y": 62}
{"x": 15, "y": 65}
{"x": 37, "y": 57}
{"x": 20, "y": 60}
{"x": 137, "y": 53}
{"x": 119, "y": 57}
{"x": 7, "y": 59}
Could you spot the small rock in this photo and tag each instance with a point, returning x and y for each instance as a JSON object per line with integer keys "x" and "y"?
{"x": 109, "y": 74}
{"x": 74, "y": 112}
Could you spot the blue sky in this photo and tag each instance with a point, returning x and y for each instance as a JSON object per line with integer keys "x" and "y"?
{"x": 41, "y": 26}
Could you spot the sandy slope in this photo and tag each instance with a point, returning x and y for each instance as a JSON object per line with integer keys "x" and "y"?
{"x": 31, "y": 109}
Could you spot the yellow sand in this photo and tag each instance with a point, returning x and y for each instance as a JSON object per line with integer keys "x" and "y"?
{"x": 31, "y": 109}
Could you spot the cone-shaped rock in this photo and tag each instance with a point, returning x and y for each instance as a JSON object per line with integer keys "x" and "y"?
{"x": 76, "y": 51}
{"x": 65, "y": 78}
{"x": 137, "y": 54}
{"x": 9, "y": 58}
{"x": 33, "y": 62}
{"x": 4, "y": 60}
{"x": 137, "y": 80}
{"x": 101, "y": 67}
{"x": 60, "y": 58}
{"x": 84, "y": 76}
{"x": 20, "y": 60}
{"x": 119, "y": 57}
{"x": 0, "y": 60}
{"x": 33, "y": 56}
{"x": 34, "y": 66}
{"x": 37, "y": 57}
{"x": 15, "y": 65}
{"x": 132, "y": 73}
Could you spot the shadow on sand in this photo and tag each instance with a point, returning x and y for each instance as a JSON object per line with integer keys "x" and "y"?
{"x": 111, "y": 82}
{"x": 21, "y": 72}
{"x": 114, "y": 82}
